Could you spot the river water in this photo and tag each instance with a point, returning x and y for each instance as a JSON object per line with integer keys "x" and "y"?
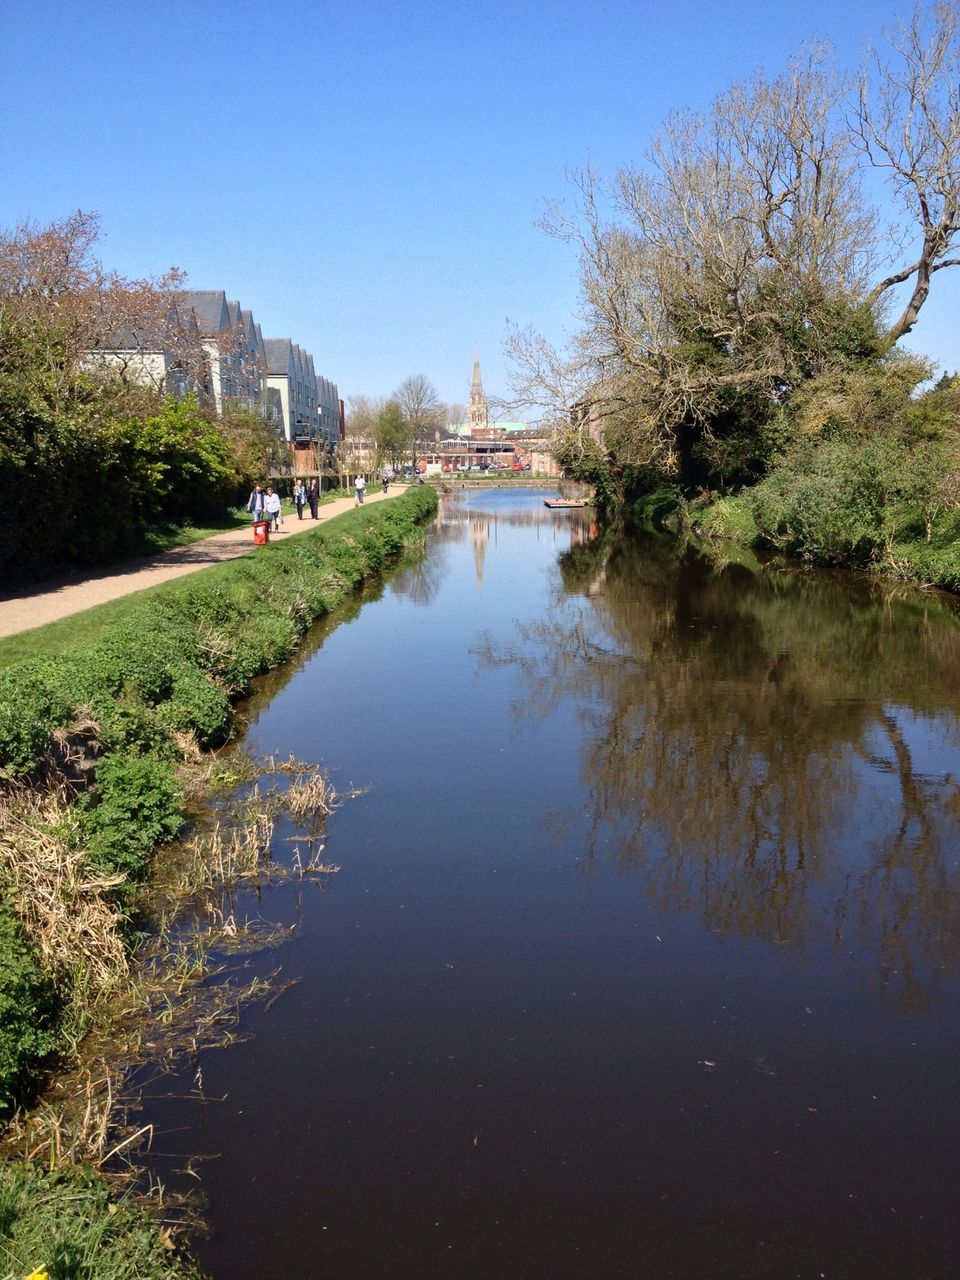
{"x": 643, "y": 956}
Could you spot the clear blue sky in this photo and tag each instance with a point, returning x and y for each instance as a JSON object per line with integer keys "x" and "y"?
{"x": 366, "y": 177}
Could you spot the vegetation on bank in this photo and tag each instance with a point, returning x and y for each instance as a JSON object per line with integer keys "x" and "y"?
{"x": 879, "y": 489}
{"x": 92, "y": 744}
{"x": 65, "y": 1224}
{"x": 97, "y": 465}
{"x": 743, "y": 302}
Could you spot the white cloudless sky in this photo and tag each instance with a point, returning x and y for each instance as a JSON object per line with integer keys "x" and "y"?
{"x": 367, "y": 177}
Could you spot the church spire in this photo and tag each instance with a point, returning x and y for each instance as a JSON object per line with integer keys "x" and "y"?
{"x": 477, "y": 417}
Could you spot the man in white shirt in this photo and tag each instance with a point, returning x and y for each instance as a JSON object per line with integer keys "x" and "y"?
{"x": 360, "y": 485}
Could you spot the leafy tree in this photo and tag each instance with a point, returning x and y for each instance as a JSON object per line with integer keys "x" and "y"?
{"x": 391, "y": 434}
{"x": 255, "y": 450}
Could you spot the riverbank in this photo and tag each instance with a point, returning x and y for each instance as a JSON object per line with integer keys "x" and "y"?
{"x": 24, "y": 611}
{"x": 904, "y": 542}
{"x": 100, "y": 746}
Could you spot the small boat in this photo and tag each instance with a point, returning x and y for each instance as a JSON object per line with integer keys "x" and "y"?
{"x": 566, "y": 502}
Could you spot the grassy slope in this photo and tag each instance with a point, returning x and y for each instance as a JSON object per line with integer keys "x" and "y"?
{"x": 82, "y": 628}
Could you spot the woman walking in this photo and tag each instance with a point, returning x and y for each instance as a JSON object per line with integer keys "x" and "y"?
{"x": 299, "y": 498}
{"x": 273, "y": 510}
{"x": 313, "y": 497}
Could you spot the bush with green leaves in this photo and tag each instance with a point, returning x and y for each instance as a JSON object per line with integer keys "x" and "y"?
{"x": 134, "y": 806}
{"x": 197, "y": 705}
{"x": 28, "y": 1012}
{"x": 32, "y": 704}
{"x": 843, "y": 500}
{"x": 167, "y": 462}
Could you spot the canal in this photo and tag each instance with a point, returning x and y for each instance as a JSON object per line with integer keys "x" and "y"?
{"x": 642, "y": 960}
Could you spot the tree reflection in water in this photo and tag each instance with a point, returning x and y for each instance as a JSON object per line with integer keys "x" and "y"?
{"x": 758, "y": 744}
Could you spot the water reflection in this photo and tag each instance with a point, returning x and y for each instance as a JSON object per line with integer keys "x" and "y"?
{"x": 777, "y": 752}
{"x": 479, "y": 519}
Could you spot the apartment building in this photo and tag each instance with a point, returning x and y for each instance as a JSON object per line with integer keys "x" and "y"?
{"x": 328, "y": 408}
{"x": 290, "y": 372}
{"x": 211, "y": 346}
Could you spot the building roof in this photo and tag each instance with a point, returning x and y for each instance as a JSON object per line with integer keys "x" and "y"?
{"x": 487, "y": 432}
{"x": 280, "y": 356}
{"x": 210, "y": 308}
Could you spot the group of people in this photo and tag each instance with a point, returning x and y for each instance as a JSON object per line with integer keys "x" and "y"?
{"x": 264, "y": 504}
{"x": 306, "y": 496}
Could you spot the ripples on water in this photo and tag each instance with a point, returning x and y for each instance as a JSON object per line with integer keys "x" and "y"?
{"x": 643, "y": 957}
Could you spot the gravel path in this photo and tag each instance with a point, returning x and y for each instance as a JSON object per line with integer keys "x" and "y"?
{"x": 60, "y": 597}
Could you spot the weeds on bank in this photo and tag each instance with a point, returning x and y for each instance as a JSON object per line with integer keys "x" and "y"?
{"x": 164, "y": 1005}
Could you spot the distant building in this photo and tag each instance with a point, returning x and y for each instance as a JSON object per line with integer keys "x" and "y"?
{"x": 164, "y": 354}
{"x": 210, "y": 346}
{"x": 232, "y": 348}
{"x": 329, "y": 407}
{"x": 478, "y": 415}
{"x": 290, "y": 372}
{"x": 479, "y": 444}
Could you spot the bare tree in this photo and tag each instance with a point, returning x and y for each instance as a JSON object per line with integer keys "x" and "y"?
{"x": 363, "y": 415}
{"x": 451, "y": 414}
{"x": 60, "y": 303}
{"x": 420, "y": 405}
{"x": 908, "y": 123}
{"x": 740, "y": 260}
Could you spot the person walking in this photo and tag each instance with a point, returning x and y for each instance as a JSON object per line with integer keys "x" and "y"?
{"x": 313, "y": 497}
{"x": 272, "y": 507}
{"x": 257, "y": 503}
{"x": 360, "y": 485}
{"x": 385, "y": 479}
{"x": 299, "y": 498}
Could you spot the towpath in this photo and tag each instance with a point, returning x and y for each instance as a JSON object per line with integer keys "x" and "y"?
{"x": 60, "y": 597}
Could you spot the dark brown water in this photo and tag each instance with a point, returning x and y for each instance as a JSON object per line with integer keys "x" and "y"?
{"x": 643, "y": 958}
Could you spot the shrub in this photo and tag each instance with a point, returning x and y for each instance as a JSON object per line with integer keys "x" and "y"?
{"x": 127, "y": 724}
{"x": 135, "y": 807}
{"x": 28, "y": 1010}
{"x": 843, "y": 500}
{"x": 32, "y": 705}
{"x": 198, "y": 706}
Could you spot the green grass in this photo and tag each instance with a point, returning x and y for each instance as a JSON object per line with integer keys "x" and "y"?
{"x": 68, "y": 1225}
{"x": 81, "y": 628}
{"x": 166, "y": 537}
{"x": 729, "y": 518}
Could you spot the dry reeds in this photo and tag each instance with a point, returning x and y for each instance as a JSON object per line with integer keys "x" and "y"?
{"x": 160, "y": 1008}
{"x": 311, "y": 796}
{"x": 58, "y": 896}
{"x": 225, "y": 854}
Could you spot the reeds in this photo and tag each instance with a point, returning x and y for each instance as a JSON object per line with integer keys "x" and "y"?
{"x": 58, "y": 896}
